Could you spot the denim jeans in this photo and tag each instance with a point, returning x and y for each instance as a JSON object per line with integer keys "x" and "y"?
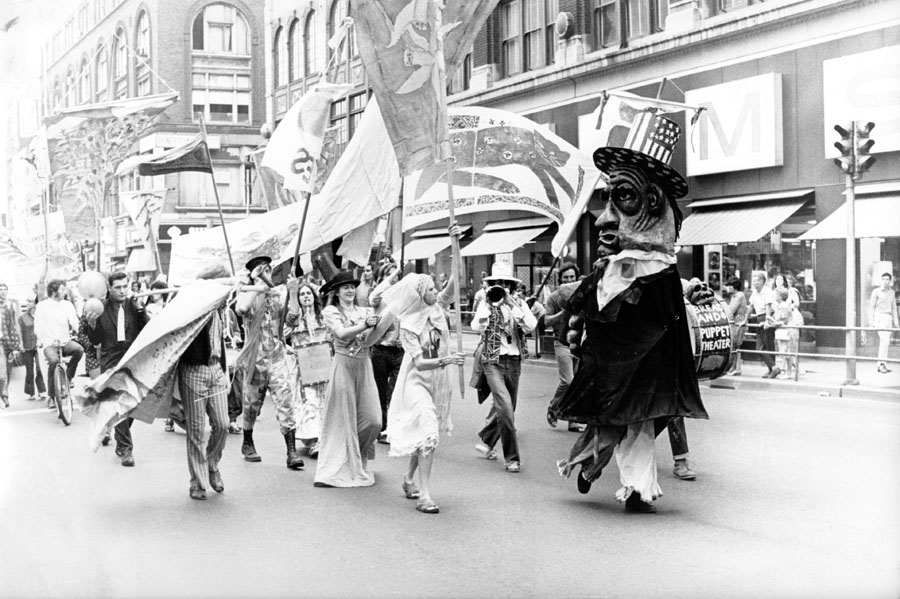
{"x": 73, "y": 351}
{"x": 33, "y": 374}
{"x": 678, "y": 438}
{"x": 503, "y": 379}
{"x": 386, "y": 363}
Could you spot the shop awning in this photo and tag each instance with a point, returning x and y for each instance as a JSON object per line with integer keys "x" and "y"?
{"x": 501, "y": 238}
{"x": 742, "y": 218}
{"x": 873, "y": 217}
{"x": 426, "y": 243}
{"x": 140, "y": 260}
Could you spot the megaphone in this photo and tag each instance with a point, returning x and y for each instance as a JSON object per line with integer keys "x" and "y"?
{"x": 265, "y": 275}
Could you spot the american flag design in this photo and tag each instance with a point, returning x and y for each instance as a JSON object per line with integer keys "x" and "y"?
{"x": 654, "y": 136}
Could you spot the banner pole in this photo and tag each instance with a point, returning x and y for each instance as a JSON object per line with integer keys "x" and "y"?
{"x": 455, "y": 266}
{"x": 308, "y": 198}
{"x": 216, "y": 192}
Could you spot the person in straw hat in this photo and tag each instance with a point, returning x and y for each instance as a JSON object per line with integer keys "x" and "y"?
{"x": 636, "y": 368}
{"x": 503, "y": 320}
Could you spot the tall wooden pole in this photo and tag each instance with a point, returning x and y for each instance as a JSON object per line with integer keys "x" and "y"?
{"x": 455, "y": 268}
{"x": 216, "y": 192}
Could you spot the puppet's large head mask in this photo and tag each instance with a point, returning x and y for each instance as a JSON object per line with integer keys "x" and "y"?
{"x": 638, "y": 208}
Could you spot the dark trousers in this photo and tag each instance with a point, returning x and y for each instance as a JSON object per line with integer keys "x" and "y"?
{"x": 503, "y": 380}
{"x": 236, "y": 396}
{"x": 386, "y": 362}
{"x": 678, "y": 437}
{"x": 71, "y": 350}
{"x": 123, "y": 436}
{"x": 765, "y": 341}
{"x": 33, "y": 374}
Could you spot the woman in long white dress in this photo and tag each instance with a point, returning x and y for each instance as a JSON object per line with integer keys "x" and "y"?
{"x": 420, "y": 404}
{"x": 352, "y": 418}
{"x": 307, "y": 329}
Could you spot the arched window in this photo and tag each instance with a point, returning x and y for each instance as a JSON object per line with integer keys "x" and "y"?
{"x": 294, "y": 58}
{"x": 69, "y": 93}
{"x": 335, "y": 17}
{"x": 57, "y": 96}
{"x": 120, "y": 64}
{"x": 221, "y": 28}
{"x": 220, "y": 85}
{"x": 84, "y": 83}
{"x": 142, "y": 61}
{"x": 280, "y": 58}
{"x": 101, "y": 73}
{"x": 311, "y": 55}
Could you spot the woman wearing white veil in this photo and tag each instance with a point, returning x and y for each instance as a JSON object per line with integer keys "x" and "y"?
{"x": 420, "y": 404}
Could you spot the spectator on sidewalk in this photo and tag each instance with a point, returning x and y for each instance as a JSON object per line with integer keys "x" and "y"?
{"x": 33, "y": 375}
{"x": 738, "y": 311}
{"x": 10, "y": 342}
{"x": 883, "y": 313}
{"x": 761, "y": 300}
{"x": 780, "y": 323}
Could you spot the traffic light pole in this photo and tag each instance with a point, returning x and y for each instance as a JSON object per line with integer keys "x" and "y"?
{"x": 851, "y": 283}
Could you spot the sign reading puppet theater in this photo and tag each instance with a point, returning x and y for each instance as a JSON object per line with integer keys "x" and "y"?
{"x": 740, "y": 127}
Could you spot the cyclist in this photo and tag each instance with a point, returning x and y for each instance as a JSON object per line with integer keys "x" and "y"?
{"x": 55, "y": 322}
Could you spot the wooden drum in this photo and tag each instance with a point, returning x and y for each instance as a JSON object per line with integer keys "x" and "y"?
{"x": 711, "y": 339}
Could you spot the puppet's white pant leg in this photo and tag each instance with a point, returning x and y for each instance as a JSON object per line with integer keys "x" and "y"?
{"x": 636, "y": 458}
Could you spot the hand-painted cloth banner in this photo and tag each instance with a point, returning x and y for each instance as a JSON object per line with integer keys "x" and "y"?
{"x": 141, "y": 384}
{"x": 501, "y": 161}
{"x": 270, "y": 234}
{"x": 192, "y": 156}
{"x": 296, "y": 143}
{"x": 86, "y": 145}
{"x": 145, "y": 207}
{"x": 407, "y": 46}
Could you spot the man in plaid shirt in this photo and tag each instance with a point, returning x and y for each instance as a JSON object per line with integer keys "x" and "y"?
{"x": 10, "y": 341}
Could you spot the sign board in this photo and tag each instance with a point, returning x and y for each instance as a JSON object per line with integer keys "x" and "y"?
{"x": 740, "y": 129}
{"x": 712, "y": 267}
{"x": 863, "y": 87}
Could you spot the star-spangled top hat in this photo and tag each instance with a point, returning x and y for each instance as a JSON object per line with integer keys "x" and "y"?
{"x": 649, "y": 145}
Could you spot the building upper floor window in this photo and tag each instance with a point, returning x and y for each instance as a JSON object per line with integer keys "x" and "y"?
{"x": 345, "y": 116}
{"x": 142, "y": 43}
{"x": 295, "y": 62}
{"x": 84, "y": 82}
{"x": 280, "y": 57}
{"x": 221, "y": 28}
{"x": 460, "y": 79}
{"x": 142, "y": 47}
{"x": 70, "y": 33}
{"x": 69, "y": 93}
{"x": 312, "y": 55}
{"x": 101, "y": 80}
{"x": 83, "y": 19}
{"x": 57, "y": 96}
{"x": 220, "y": 84}
{"x": 120, "y": 64}
{"x": 614, "y": 22}
{"x": 528, "y": 37}
{"x": 335, "y": 18}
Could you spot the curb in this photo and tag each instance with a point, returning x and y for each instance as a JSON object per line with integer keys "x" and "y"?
{"x": 824, "y": 390}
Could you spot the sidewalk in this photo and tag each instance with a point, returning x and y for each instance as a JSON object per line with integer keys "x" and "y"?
{"x": 818, "y": 377}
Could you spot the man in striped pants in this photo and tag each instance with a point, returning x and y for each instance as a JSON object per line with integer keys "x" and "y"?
{"x": 204, "y": 392}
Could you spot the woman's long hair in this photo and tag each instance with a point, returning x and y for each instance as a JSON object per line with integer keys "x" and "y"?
{"x": 317, "y": 305}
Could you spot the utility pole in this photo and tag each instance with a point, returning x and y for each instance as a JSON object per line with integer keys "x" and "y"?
{"x": 854, "y": 161}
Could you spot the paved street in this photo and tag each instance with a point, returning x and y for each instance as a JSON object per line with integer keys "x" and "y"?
{"x": 797, "y": 496}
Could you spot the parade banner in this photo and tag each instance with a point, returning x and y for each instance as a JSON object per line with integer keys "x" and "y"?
{"x": 296, "y": 144}
{"x": 613, "y": 118}
{"x": 141, "y": 384}
{"x": 501, "y": 161}
{"x": 269, "y": 234}
{"x": 192, "y": 156}
{"x": 408, "y": 47}
{"x": 145, "y": 207}
{"x": 364, "y": 185}
{"x": 86, "y": 144}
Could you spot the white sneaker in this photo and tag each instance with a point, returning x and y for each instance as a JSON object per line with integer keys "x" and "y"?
{"x": 486, "y": 452}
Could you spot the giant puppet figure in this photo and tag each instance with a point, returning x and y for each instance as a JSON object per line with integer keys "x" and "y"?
{"x": 636, "y": 368}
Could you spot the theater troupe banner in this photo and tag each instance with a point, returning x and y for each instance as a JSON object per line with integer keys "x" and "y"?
{"x": 501, "y": 161}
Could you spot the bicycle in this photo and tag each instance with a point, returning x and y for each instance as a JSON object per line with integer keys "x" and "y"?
{"x": 62, "y": 394}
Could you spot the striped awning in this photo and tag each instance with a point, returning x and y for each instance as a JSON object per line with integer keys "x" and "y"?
{"x": 738, "y": 219}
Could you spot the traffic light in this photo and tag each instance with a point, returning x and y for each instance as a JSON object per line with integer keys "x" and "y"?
{"x": 863, "y": 144}
{"x": 854, "y": 147}
{"x": 846, "y": 147}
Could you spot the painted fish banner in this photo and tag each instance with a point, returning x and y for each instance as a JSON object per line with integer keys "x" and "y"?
{"x": 407, "y": 48}
{"x": 145, "y": 208}
{"x": 501, "y": 161}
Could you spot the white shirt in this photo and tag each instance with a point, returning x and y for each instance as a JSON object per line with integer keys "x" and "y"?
{"x": 521, "y": 316}
{"x": 54, "y": 321}
{"x": 761, "y": 300}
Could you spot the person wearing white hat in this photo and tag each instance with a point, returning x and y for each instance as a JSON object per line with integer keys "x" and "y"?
{"x": 503, "y": 321}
